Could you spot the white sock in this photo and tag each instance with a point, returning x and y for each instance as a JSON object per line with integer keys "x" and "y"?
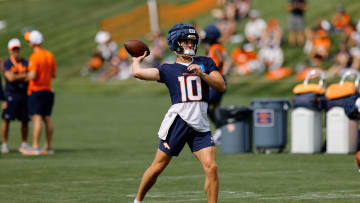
{"x": 4, "y": 145}
{"x": 135, "y": 201}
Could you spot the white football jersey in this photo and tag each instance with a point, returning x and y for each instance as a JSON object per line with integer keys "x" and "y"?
{"x": 193, "y": 113}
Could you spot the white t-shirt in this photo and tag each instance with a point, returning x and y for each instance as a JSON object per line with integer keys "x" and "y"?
{"x": 107, "y": 50}
{"x": 272, "y": 55}
{"x": 255, "y": 28}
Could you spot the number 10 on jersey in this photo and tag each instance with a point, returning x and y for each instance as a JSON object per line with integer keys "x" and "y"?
{"x": 187, "y": 88}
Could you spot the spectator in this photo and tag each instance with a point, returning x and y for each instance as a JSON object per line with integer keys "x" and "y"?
{"x": 354, "y": 44}
{"x": 124, "y": 66}
{"x": 321, "y": 45}
{"x": 245, "y": 60}
{"x": 230, "y": 10}
{"x": 106, "y": 47}
{"x": 242, "y": 8}
{"x": 346, "y": 35}
{"x": 296, "y": 22}
{"x": 255, "y": 27}
{"x": 341, "y": 19}
{"x": 342, "y": 61}
{"x": 272, "y": 33}
{"x": 311, "y": 33}
{"x": 15, "y": 105}
{"x": 42, "y": 68}
{"x": 119, "y": 68}
{"x": 103, "y": 54}
{"x": 271, "y": 56}
{"x": 225, "y": 24}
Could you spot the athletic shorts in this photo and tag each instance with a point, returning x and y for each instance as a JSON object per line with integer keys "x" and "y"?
{"x": 41, "y": 103}
{"x": 17, "y": 108}
{"x": 180, "y": 133}
{"x": 296, "y": 23}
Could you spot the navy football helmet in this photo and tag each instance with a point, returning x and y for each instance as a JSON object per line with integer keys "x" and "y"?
{"x": 211, "y": 34}
{"x": 182, "y": 31}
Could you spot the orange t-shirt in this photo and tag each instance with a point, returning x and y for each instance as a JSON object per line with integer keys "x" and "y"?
{"x": 323, "y": 43}
{"x": 239, "y": 57}
{"x": 212, "y": 55}
{"x": 340, "y": 22}
{"x": 42, "y": 62}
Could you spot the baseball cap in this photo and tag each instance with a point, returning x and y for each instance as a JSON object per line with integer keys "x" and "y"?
{"x": 102, "y": 37}
{"x": 14, "y": 42}
{"x": 36, "y": 37}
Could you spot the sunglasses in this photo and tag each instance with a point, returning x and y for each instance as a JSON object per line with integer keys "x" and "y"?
{"x": 15, "y": 49}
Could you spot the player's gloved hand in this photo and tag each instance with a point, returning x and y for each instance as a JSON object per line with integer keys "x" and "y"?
{"x": 196, "y": 70}
{"x": 139, "y": 58}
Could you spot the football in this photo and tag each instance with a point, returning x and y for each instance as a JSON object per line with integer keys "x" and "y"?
{"x": 136, "y": 48}
{"x": 357, "y": 157}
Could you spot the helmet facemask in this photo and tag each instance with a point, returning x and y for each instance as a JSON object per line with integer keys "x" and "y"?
{"x": 182, "y": 51}
{"x": 180, "y": 32}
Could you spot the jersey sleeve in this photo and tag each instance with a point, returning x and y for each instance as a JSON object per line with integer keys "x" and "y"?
{"x": 32, "y": 64}
{"x": 211, "y": 66}
{"x": 7, "y": 65}
{"x": 162, "y": 74}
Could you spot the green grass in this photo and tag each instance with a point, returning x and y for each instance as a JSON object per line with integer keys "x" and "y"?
{"x": 105, "y": 134}
{"x": 105, "y": 139}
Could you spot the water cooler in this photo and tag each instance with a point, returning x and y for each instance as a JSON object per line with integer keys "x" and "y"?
{"x": 341, "y": 132}
{"x": 306, "y": 118}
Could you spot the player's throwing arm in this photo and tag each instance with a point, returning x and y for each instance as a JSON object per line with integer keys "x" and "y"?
{"x": 144, "y": 73}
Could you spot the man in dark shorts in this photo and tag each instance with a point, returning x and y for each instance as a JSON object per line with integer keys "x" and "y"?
{"x": 42, "y": 68}
{"x": 15, "y": 106}
{"x": 188, "y": 81}
{"x": 296, "y": 22}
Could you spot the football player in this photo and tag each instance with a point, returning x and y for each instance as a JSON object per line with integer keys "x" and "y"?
{"x": 352, "y": 110}
{"x": 217, "y": 52}
{"x": 188, "y": 81}
{"x": 15, "y": 105}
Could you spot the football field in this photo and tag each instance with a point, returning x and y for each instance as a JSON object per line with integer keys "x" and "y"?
{"x": 106, "y": 133}
{"x": 105, "y": 137}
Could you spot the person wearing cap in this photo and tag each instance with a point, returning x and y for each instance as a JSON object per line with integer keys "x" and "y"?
{"x": 41, "y": 70}
{"x": 105, "y": 52}
{"x": 254, "y": 27}
{"x": 15, "y": 103}
{"x": 106, "y": 47}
